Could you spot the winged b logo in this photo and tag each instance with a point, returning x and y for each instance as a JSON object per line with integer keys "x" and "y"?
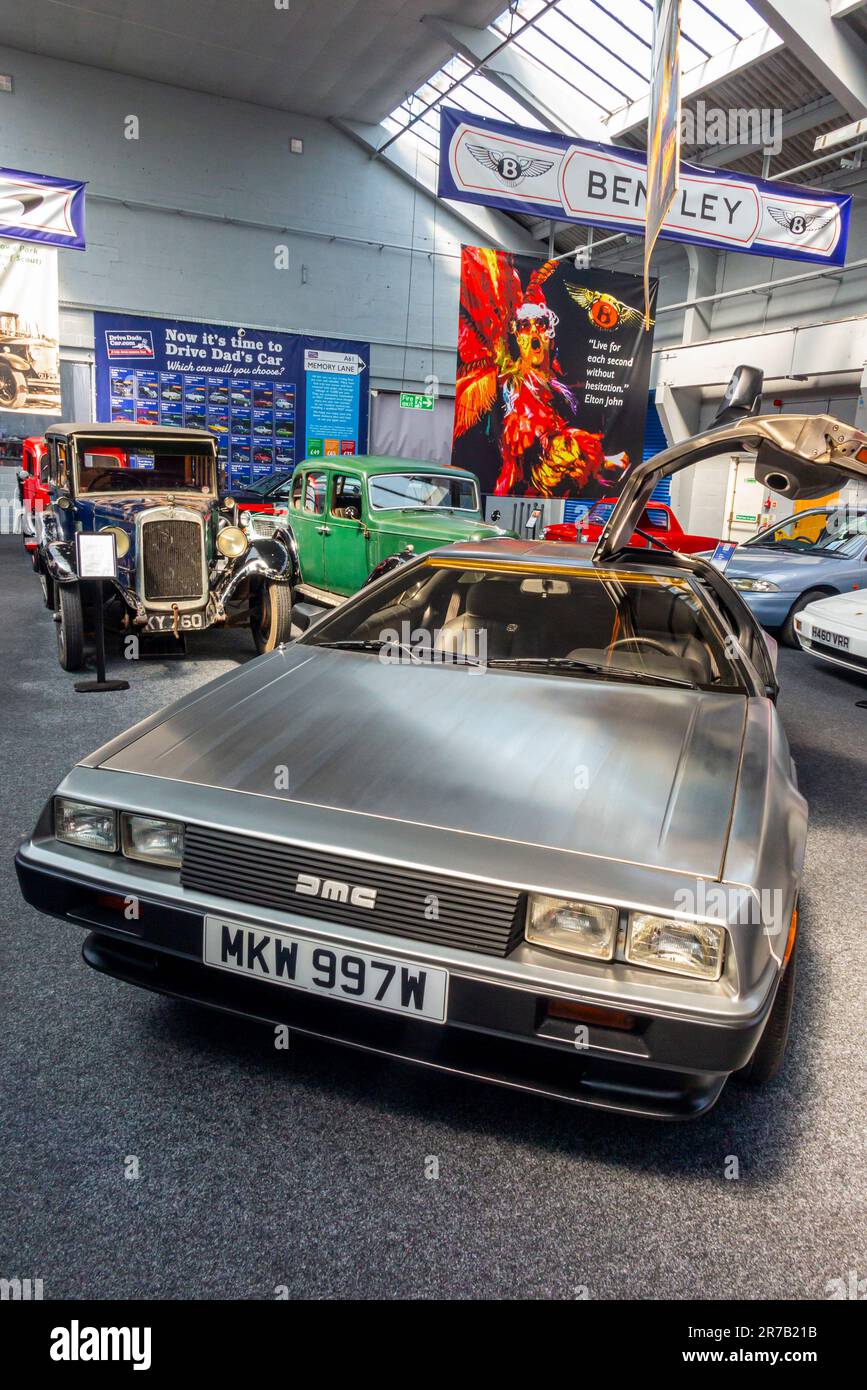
{"x": 511, "y": 168}
{"x": 800, "y": 222}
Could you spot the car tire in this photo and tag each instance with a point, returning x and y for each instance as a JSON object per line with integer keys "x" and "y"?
{"x": 787, "y": 635}
{"x": 70, "y": 627}
{"x": 768, "y": 1056}
{"x": 46, "y": 583}
{"x": 271, "y": 616}
{"x": 13, "y": 388}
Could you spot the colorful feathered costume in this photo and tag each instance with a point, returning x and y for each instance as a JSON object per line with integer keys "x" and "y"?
{"x": 541, "y": 454}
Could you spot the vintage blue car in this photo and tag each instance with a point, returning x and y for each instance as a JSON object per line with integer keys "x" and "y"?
{"x": 183, "y": 562}
{"x": 806, "y": 557}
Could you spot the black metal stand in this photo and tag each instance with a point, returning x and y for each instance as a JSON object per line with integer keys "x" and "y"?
{"x": 86, "y": 687}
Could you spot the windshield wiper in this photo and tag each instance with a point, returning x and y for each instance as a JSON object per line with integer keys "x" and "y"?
{"x": 415, "y": 657}
{"x": 568, "y": 663}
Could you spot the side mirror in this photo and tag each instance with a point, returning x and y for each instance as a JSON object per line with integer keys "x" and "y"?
{"x": 743, "y": 396}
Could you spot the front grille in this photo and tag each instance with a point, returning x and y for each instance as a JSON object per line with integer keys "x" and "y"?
{"x": 172, "y": 559}
{"x": 841, "y": 654}
{"x": 470, "y": 915}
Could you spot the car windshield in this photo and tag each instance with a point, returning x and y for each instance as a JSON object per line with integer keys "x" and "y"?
{"x": 273, "y": 480}
{"x": 423, "y": 491}
{"x": 149, "y": 466}
{"x": 840, "y": 533}
{"x": 590, "y": 623}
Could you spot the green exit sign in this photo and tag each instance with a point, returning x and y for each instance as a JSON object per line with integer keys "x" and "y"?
{"x": 415, "y": 400}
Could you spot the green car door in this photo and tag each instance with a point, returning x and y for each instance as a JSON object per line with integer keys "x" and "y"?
{"x": 347, "y": 562}
{"x": 307, "y": 513}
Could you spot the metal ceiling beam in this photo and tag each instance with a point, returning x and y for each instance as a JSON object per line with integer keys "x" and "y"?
{"x": 494, "y": 228}
{"x": 546, "y": 97}
{"x": 699, "y": 79}
{"x": 840, "y": 8}
{"x": 807, "y": 117}
{"x": 830, "y": 49}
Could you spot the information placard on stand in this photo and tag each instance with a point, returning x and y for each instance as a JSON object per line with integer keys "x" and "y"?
{"x": 96, "y": 561}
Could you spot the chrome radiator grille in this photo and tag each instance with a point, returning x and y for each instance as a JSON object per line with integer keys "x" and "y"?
{"x": 172, "y": 559}
{"x": 462, "y": 913}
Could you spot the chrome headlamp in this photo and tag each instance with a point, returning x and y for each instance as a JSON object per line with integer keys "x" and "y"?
{"x": 567, "y": 924}
{"x": 89, "y": 827}
{"x": 681, "y": 948}
{"x": 231, "y": 542}
{"x": 152, "y": 839}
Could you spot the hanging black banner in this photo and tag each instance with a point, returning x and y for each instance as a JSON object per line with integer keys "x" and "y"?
{"x": 552, "y": 376}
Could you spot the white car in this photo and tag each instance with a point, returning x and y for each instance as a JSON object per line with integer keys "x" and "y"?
{"x": 835, "y": 629}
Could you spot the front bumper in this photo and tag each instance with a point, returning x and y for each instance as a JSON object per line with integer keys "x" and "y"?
{"x": 840, "y": 644}
{"x": 657, "y": 1065}
{"x": 770, "y": 610}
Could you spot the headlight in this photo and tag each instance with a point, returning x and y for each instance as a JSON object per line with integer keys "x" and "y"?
{"x": 564, "y": 924}
{"x": 755, "y": 586}
{"x": 154, "y": 840}
{"x": 683, "y": 948}
{"x": 90, "y": 827}
{"x": 121, "y": 539}
{"x": 245, "y": 518}
{"x": 231, "y": 542}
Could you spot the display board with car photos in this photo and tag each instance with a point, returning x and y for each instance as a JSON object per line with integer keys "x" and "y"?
{"x": 270, "y": 398}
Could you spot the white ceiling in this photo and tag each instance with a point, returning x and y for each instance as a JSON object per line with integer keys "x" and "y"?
{"x": 351, "y": 58}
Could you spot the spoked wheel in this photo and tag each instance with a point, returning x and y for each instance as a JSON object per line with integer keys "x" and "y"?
{"x": 13, "y": 388}
{"x": 70, "y": 627}
{"x": 271, "y": 616}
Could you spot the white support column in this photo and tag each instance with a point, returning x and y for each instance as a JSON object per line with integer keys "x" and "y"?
{"x": 826, "y": 45}
{"x": 703, "y": 267}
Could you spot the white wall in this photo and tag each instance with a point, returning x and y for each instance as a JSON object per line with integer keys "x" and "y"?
{"x": 230, "y": 159}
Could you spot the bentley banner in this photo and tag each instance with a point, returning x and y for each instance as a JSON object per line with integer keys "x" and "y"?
{"x": 507, "y": 166}
{"x": 552, "y": 376}
{"x": 39, "y": 207}
{"x": 29, "y": 329}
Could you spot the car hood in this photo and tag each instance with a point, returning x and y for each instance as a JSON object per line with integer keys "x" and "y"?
{"x": 124, "y": 510}
{"x": 441, "y": 526}
{"x": 849, "y": 608}
{"x": 789, "y": 571}
{"x": 639, "y": 774}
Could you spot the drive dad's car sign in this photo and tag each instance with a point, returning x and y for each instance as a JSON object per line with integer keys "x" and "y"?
{"x": 506, "y": 166}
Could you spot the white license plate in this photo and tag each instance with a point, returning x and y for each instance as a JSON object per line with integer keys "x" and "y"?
{"x": 333, "y": 971}
{"x": 831, "y": 639}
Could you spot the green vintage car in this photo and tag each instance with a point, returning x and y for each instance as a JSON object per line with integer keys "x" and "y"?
{"x": 349, "y": 517}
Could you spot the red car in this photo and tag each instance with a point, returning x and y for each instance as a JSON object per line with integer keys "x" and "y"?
{"x": 658, "y": 521}
{"x": 32, "y": 492}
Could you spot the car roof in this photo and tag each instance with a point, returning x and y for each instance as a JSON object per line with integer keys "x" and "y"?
{"x": 380, "y": 463}
{"x": 99, "y": 429}
{"x": 566, "y": 554}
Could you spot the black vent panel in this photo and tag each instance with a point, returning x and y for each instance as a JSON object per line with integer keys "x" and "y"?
{"x": 462, "y": 913}
{"x": 172, "y": 559}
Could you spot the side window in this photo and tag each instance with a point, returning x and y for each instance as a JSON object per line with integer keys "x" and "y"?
{"x": 346, "y": 496}
{"x": 314, "y": 492}
{"x": 297, "y": 482}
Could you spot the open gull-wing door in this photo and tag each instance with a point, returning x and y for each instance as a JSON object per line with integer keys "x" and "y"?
{"x": 796, "y": 456}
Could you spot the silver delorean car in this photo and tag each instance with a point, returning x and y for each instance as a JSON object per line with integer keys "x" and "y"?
{"x": 517, "y": 810}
